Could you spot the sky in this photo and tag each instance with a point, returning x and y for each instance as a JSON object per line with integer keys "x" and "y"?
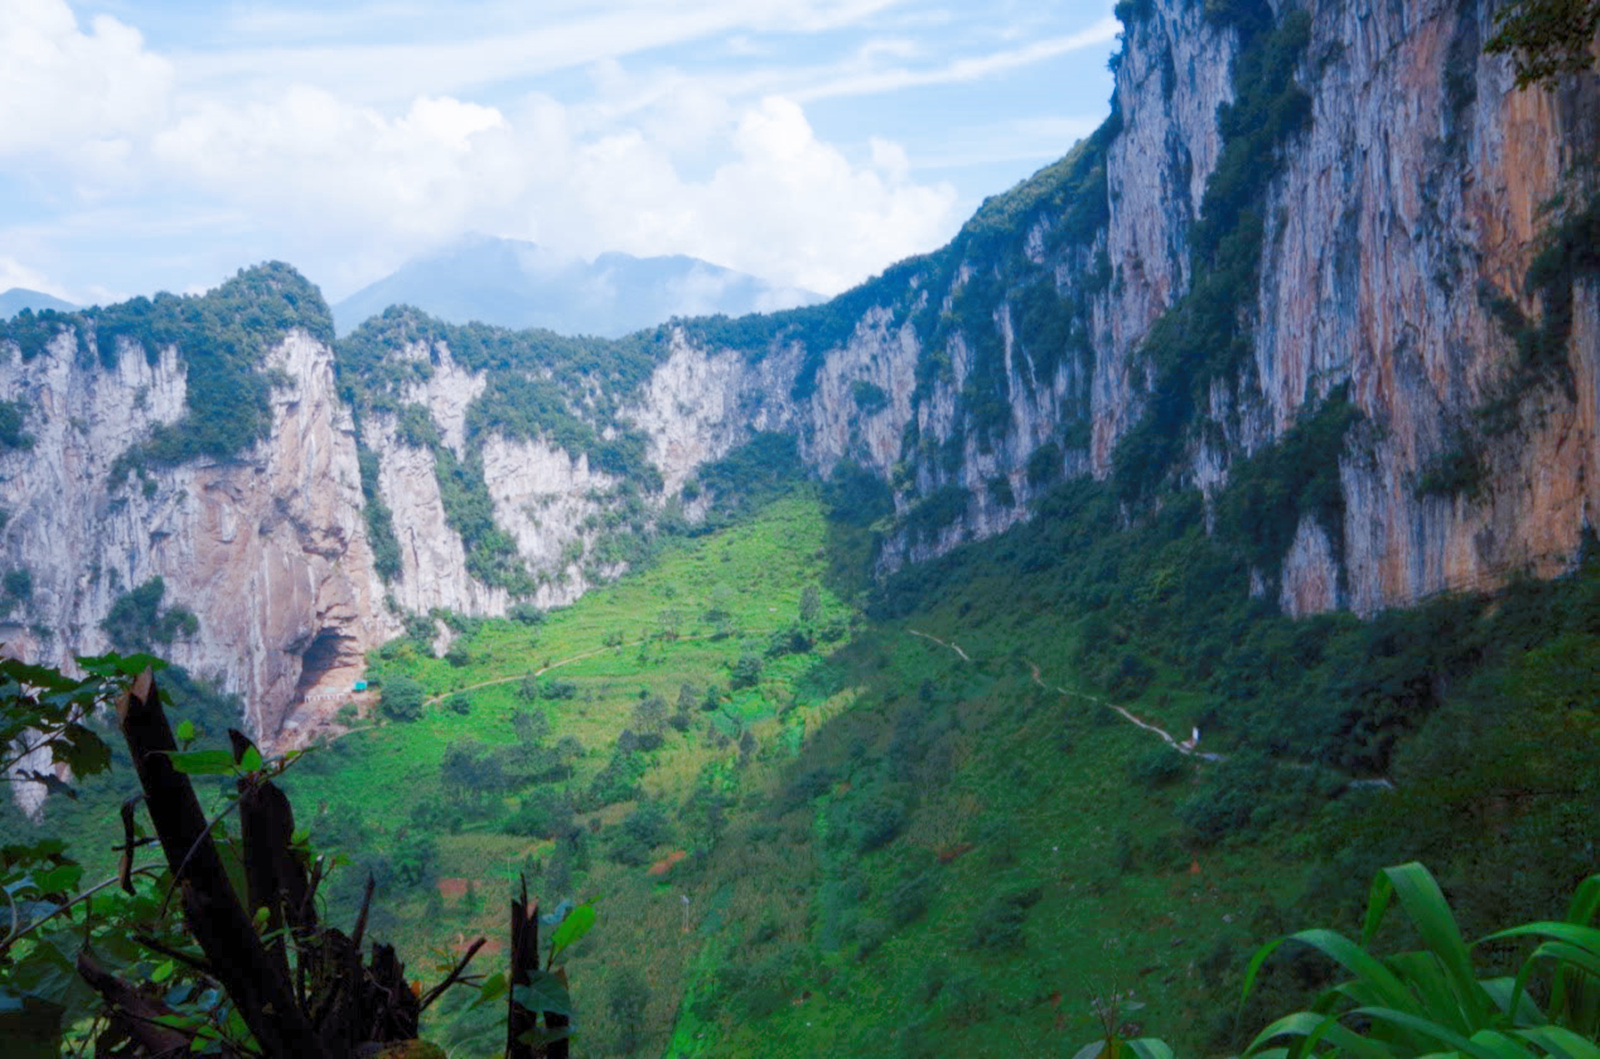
{"x": 152, "y": 146}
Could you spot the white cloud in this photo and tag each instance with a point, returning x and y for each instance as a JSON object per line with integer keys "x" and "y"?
{"x": 59, "y": 84}
{"x": 780, "y": 203}
{"x": 786, "y": 206}
{"x": 507, "y": 41}
{"x": 967, "y": 69}
{"x": 345, "y": 143}
{"x": 15, "y": 274}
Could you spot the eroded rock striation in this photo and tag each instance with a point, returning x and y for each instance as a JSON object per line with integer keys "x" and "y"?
{"x": 1386, "y": 229}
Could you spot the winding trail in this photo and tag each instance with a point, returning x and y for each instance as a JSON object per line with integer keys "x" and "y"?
{"x": 1184, "y": 747}
{"x": 1166, "y": 737}
{"x": 954, "y": 647}
{"x": 435, "y": 700}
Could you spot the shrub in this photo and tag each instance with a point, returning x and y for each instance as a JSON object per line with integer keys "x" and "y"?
{"x": 137, "y": 621}
{"x": 18, "y": 584}
{"x": 544, "y": 812}
{"x": 1157, "y": 767}
{"x": 869, "y": 397}
{"x": 999, "y": 925}
{"x": 532, "y": 726}
{"x": 459, "y": 704}
{"x": 527, "y": 613}
{"x": 401, "y": 698}
{"x": 870, "y": 935}
{"x": 876, "y": 821}
{"x": 909, "y": 900}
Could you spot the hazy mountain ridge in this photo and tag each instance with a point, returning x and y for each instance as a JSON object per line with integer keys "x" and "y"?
{"x": 516, "y": 284}
{"x": 1163, "y": 309}
{"x": 16, "y": 299}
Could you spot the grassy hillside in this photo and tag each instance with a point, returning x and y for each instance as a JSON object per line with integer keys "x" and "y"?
{"x": 911, "y": 822}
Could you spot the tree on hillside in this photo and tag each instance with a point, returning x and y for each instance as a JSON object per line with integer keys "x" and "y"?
{"x": 401, "y": 698}
{"x": 1547, "y": 39}
{"x": 810, "y": 604}
{"x": 532, "y": 726}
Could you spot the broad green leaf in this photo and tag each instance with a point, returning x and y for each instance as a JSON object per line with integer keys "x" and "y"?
{"x": 112, "y": 664}
{"x": 51, "y": 782}
{"x": 48, "y": 972}
{"x": 1090, "y": 1050}
{"x": 250, "y": 761}
{"x": 575, "y": 926}
{"x": 185, "y": 731}
{"x": 163, "y": 971}
{"x": 84, "y": 752}
{"x": 493, "y": 988}
{"x": 60, "y": 879}
{"x": 545, "y": 991}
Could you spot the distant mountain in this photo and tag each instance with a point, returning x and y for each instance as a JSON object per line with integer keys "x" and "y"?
{"x": 17, "y": 299}
{"x": 518, "y": 284}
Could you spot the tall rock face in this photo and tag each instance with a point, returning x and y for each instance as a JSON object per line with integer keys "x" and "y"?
{"x": 1293, "y": 216}
{"x": 268, "y": 550}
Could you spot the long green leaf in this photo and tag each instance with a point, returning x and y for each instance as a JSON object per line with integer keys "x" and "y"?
{"x": 1585, "y": 902}
{"x": 1571, "y": 933}
{"x": 1430, "y": 913}
{"x": 1569, "y": 956}
{"x": 1149, "y": 1048}
{"x": 1377, "y": 904}
{"x": 1425, "y": 974}
{"x": 1561, "y": 1042}
{"x": 1508, "y": 996}
{"x": 1485, "y": 1044}
{"x": 1390, "y": 990}
{"x": 1315, "y": 1028}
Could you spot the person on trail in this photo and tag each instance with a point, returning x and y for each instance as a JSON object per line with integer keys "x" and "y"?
{"x": 1194, "y": 740}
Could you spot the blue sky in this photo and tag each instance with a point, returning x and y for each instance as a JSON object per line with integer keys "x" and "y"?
{"x": 148, "y": 146}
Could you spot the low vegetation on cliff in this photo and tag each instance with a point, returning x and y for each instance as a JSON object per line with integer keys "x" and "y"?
{"x": 911, "y": 827}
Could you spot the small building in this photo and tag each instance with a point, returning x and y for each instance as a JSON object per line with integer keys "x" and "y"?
{"x": 361, "y": 685}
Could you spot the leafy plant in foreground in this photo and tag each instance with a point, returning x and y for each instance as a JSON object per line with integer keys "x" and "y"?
{"x": 1431, "y": 1002}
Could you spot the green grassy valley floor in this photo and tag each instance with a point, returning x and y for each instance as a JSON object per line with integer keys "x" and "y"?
{"x": 827, "y": 831}
{"x": 917, "y": 846}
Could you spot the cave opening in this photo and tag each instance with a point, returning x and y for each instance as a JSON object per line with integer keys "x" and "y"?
{"x": 325, "y": 653}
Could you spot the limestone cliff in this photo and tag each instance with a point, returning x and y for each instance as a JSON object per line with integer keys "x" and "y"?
{"x": 1384, "y": 228}
{"x": 268, "y": 550}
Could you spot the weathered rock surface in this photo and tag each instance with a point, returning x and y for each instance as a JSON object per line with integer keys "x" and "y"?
{"x": 1415, "y": 188}
{"x": 268, "y": 551}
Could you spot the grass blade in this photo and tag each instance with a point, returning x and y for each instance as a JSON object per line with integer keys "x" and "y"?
{"x": 1430, "y": 913}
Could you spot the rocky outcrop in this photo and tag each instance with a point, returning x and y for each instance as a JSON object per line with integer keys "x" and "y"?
{"x": 269, "y": 551}
{"x": 971, "y": 380}
{"x": 1416, "y": 192}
